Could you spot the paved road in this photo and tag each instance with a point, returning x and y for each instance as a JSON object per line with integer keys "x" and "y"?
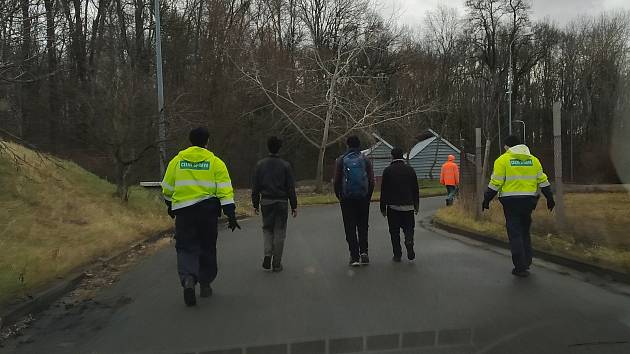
{"x": 456, "y": 298}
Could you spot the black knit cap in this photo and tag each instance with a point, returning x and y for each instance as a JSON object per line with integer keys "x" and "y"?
{"x": 512, "y": 140}
{"x": 397, "y": 153}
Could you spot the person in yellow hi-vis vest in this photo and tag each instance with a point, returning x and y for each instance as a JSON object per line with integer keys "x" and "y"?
{"x": 517, "y": 178}
{"x": 196, "y": 187}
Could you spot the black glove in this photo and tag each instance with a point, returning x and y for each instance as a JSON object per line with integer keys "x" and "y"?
{"x": 551, "y": 204}
{"x": 487, "y": 197}
{"x": 169, "y": 209}
{"x": 233, "y": 224}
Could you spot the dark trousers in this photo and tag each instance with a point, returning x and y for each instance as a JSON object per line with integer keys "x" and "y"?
{"x": 274, "y": 216}
{"x": 196, "y": 241}
{"x": 450, "y": 190}
{"x": 518, "y": 221}
{"x": 356, "y": 215}
{"x": 404, "y": 220}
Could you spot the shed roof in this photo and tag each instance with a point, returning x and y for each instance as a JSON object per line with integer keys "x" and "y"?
{"x": 380, "y": 141}
{"x": 426, "y": 142}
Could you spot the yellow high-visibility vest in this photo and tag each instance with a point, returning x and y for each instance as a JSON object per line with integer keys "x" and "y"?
{"x": 518, "y": 173}
{"x": 195, "y": 175}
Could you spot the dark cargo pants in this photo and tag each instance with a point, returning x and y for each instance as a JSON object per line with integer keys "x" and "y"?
{"x": 274, "y": 215}
{"x": 196, "y": 241}
{"x": 518, "y": 221}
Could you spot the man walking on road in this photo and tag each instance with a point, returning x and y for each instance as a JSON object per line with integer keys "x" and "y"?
{"x": 516, "y": 177}
{"x": 196, "y": 187}
{"x": 273, "y": 181}
{"x": 449, "y": 177}
{"x": 354, "y": 185}
{"x": 400, "y": 199}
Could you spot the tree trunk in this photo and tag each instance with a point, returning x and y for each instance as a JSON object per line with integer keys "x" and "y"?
{"x": 319, "y": 186}
{"x": 138, "y": 58}
{"x": 28, "y": 126}
{"x": 122, "y": 185}
{"x": 78, "y": 41}
{"x": 53, "y": 103}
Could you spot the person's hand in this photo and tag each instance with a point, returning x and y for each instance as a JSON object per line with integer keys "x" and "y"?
{"x": 485, "y": 205}
{"x": 233, "y": 224}
{"x": 551, "y": 204}
{"x": 294, "y": 213}
{"x": 257, "y": 211}
{"x": 384, "y": 213}
{"x": 416, "y": 211}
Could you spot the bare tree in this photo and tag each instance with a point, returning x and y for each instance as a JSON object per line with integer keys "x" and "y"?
{"x": 334, "y": 97}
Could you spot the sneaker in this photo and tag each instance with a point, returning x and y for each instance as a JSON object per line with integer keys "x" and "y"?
{"x": 365, "y": 259}
{"x": 396, "y": 259}
{"x": 267, "y": 263}
{"x": 205, "y": 290}
{"x": 189, "y": 292}
{"x": 354, "y": 262}
{"x": 520, "y": 273}
{"x": 411, "y": 254}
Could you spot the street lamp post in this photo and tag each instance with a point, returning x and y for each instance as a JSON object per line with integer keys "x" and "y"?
{"x": 510, "y": 81}
{"x": 523, "y": 123}
{"x": 160, "y": 90}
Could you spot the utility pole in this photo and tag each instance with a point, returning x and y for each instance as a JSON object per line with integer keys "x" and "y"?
{"x": 557, "y": 154}
{"x": 160, "y": 90}
{"x": 572, "y": 177}
{"x": 478, "y": 170}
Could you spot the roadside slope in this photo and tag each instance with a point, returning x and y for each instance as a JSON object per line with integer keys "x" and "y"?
{"x": 595, "y": 232}
{"x": 56, "y": 217}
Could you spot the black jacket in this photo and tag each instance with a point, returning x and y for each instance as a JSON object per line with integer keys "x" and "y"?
{"x": 273, "y": 179}
{"x": 399, "y": 186}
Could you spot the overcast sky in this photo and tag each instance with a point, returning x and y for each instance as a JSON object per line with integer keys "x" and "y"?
{"x": 560, "y": 11}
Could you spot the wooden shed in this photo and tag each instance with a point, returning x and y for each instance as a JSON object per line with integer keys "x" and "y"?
{"x": 428, "y": 155}
{"x": 380, "y": 155}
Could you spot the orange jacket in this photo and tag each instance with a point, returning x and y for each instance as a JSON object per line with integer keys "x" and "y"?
{"x": 450, "y": 172}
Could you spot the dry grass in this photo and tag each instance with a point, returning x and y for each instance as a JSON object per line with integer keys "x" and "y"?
{"x": 56, "y": 217}
{"x": 307, "y": 196}
{"x": 596, "y": 230}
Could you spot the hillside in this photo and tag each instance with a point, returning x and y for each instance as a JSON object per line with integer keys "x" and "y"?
{"x": 56, "y": 217}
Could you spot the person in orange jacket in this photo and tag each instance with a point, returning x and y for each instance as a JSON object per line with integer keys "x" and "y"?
{"x": 449, "y": 177}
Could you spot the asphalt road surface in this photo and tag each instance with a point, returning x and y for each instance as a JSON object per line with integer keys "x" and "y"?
{"x": 455, "y": 298}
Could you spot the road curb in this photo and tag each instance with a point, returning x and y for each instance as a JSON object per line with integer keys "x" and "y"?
{"x": 580, "y": 266}
{"x": 42, "y": 300}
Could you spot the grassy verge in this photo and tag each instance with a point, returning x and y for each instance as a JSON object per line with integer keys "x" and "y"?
{"x": 56, "y": 217}
{"x": 596, "y": 231}
{"x": 428, "y": 188}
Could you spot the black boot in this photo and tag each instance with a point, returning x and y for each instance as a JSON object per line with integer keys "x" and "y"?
{"x": 267, "y": 263}
{"x": 277, "y": 265}
{"x": 189, "y": 291}
{"x": 205, "y": 290}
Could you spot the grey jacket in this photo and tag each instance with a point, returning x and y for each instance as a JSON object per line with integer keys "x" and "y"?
{"x": 273, "y": 180}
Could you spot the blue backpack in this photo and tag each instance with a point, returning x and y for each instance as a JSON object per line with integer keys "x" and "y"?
{"x": 355, "y": 178}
